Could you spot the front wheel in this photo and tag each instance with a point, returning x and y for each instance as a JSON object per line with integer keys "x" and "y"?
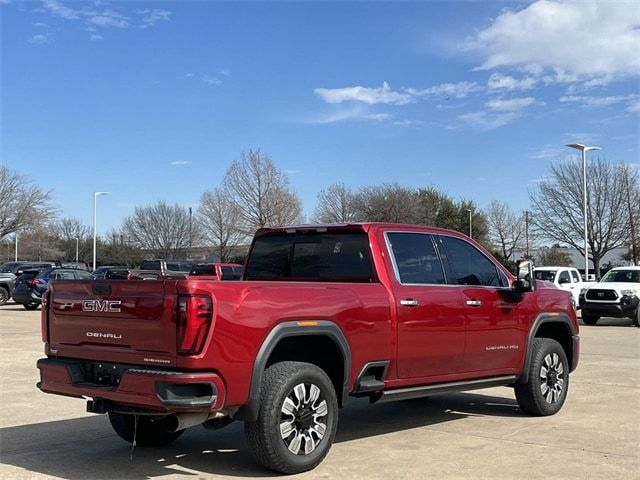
{"x": 4, "y": 295}
{"x": 636, "y": 318}
{"x": 31, "y": 306}
{"x": 589, "y": 319}
{"x": 297, "y": 419}
{"x": 148, "y": 431}
{"x": 548, "y": 383}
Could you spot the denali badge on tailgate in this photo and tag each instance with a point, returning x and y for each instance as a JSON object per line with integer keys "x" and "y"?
{"x": 112, "y": 306}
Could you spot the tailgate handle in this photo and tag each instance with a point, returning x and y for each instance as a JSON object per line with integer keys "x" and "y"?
{"x": 103, "y": 289}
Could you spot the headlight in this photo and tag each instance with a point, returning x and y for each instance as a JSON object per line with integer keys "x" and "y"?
{"x": 628, "y": 292}
{"x": 583, "y": 291}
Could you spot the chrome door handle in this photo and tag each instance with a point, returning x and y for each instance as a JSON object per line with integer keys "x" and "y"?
{"x": 474, "y": 303}
{"x": 408, "y": 302}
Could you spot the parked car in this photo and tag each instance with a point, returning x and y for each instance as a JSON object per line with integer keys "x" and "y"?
{"x": 220, "y": 271}
{"x": 102, "y": 272}
{"x": 383, "y": 311}
{"x": 10, "y": 271}
{"x": 30, "y": 288}
{"x": 77, "y": 265}
{"x": 565, "y": 278}
{"x": 616, "y": 295}
{"x": 152, "y": 269}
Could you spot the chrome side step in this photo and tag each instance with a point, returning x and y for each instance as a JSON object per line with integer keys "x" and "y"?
{"x": 425, "y": 390}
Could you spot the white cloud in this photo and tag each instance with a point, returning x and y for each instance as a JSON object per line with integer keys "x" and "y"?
{"x": 94, "y": 37}
{"x": 571, "y": 40}
{"x": 94, "y": 16}
{"x": 457, "y": 90}
{"x": 599, "y": 101}
{"x": 408, "y": 123}
{"x": 209, "y": 80}
{"x": 181, "y": 162}
{"x": 489, "y": 120}
{"x": 226, "y": 72}
{"x": 634, "y": 106}
{"x": 370, "y": 96}
{"x": 40, "y": 25}
{"x": 39, "y": 39}
{"x": 497, "y": 81}
{"x": 149, "y": 17}
{"x": 510, "y": 104}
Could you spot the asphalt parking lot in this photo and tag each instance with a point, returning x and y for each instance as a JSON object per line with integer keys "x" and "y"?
{"x": 469, "y": 435}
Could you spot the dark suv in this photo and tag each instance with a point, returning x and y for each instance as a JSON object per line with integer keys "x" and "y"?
{"x": 33, "y": 283}
{"x": 10, "y": 271}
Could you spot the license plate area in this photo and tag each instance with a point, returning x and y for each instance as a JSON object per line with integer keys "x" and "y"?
{"x": 97, "y": 374}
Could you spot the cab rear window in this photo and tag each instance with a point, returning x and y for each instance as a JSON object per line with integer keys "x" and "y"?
{"x": 318, "y": 257}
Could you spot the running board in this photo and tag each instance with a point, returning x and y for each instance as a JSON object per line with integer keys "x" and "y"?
{"x": 425, "y": 390}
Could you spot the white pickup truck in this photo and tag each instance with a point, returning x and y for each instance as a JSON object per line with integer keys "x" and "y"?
{"x": 616, "y": 295}
{"x": 565, "y": 278}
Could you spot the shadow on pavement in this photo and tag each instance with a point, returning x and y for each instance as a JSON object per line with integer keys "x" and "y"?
{"x": 87, "y": 447}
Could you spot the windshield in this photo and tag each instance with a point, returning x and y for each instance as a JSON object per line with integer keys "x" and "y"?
{"x": 622, "y": 276}
{"x": 547, "y": 275}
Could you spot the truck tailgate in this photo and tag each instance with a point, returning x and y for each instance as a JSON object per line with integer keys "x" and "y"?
{"x": 124, "y": 321}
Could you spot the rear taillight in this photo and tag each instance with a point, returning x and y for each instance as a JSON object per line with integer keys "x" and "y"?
{"x": 195, "y": 313}
{"x": 35, "y": 281}
{"x": 44, "y": 316}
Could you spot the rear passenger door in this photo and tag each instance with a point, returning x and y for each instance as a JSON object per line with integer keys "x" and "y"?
{"x": 430, "y": 321}
{"x": 494, "y": 336}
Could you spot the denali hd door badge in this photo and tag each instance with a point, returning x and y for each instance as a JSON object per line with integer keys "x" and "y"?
{"x": 111, "y": 306}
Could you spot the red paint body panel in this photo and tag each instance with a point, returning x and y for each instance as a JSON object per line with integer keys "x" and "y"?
{"x": 443, "y": 339}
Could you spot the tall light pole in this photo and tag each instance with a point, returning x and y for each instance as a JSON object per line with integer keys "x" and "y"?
{"x": 16, "y": 235}
{"x": 584, "y": 149}
{"x": 77, "y": 242}
{"x": 470, "y": 224}
{"x": 95, "y": 201}
{"x": 189, "y": 252}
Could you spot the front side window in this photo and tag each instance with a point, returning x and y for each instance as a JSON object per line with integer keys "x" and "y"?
{"x": 468, "y": 265}
{"x": 546, "y": 275}
{"x": 564, "y": 277}
{"x": 150, "y": 265}
{"x": 415, "y": 258}
{"x": 305, "y": 256}
{"x": 231, "y": 273}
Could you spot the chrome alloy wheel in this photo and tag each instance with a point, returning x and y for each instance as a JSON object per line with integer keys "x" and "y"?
{"x": 551, "y": 381}
{"x": 303, "y": 419}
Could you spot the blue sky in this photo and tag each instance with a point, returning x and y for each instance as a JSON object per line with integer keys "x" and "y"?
{"x": 153, "y": 100}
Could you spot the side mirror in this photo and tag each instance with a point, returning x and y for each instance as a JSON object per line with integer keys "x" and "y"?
{"x": 525, "y": 281}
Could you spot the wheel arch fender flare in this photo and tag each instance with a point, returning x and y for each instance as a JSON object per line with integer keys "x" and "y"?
{"x": 327, "y": 328}
{"x": 541, "y": 319}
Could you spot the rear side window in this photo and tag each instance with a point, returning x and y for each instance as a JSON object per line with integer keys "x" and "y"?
{"x": 576, "y": 277}
{"x": 150, "y": 265}
{"x": 415, "y": 258}
{"x": 468, "y": 265}
{"x": 202, "y": 270}
{"x": 329, "y": 257}
{"x": 178, "y": 267}
{"x": 231, "y": 273}
{"x": 564, "y": 277}
{"x": 80, "y": 275}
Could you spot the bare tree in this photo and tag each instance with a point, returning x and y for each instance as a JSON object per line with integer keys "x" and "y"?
{"x": 221, "y": 222}
{"x": 389, "y": 202}
{"x": 557, "y": 208}
{"x": 161, "y": 229}
{"x": 70, "y": 228}
{"x": 261, "y": 192}
{"x": 632, "y": 206}
{"x": 506, "y": 228}
{"x": 335, "y": 205}
{"x": 22, "y": 204}
{"x": 552, "y": 256}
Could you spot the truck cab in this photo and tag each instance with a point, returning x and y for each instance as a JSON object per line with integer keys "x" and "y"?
{"x": 565, "y": 278}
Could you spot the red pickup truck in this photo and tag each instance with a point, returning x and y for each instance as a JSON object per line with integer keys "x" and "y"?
{"x": 322, "y": 313}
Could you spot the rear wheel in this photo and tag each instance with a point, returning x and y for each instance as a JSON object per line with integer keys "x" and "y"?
{"x": 149, "y": 431}
{"x": 297, "y": 420}
{"x": 589, "y": 319}
{"x": 31, "y": 306}
{"x": 546, "y": 389}
{"x": 4, "y": 295}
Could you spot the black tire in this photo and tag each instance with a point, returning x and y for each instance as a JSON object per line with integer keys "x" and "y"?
{"x": 636, "y": 317}
{"x": 151, "y": 431}
{"x": 31, "y": 306}
{"x": 548, "y": 384}
{"x": 4, "y": 295}
{"x": 589, "y": 319}
{"x": 280, "y": 386}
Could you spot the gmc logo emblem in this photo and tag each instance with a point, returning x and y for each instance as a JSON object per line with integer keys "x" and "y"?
{"x": 111, "y": 306}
